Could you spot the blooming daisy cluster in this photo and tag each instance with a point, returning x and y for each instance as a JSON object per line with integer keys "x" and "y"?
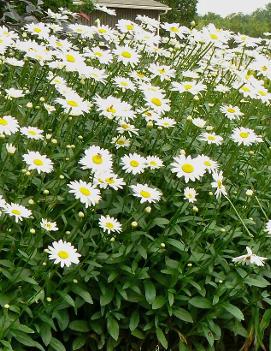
{"x": 130, "y": 154}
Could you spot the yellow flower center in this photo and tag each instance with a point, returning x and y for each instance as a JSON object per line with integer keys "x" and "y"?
{"x": 140, "y": 75}
{"x": 126, "y": 54}
{"x": 102, "y": 30}
{"x": 188, "y": 168}
{"x": 134, "y": 163}
{"x": 219, "y": 183}
{"x": 120, "y": 142}
{"x": 111, "y": 109}
{"x": 109, "y": 225}
{"x": 38, "y": 162}
{"x": 187, "y": 86}
{"x": 145, "y": 194}
{"x": 214, "y": 36}
{"x": 231, "y": 110}
{"x": 262, "y": 92}
{"x": 3, "y": 122}
{"x": 244, "y": 135}
{"x": 32, "y": 132}
{"x": 125, "y": 126}
{"x": 98, "y": 54}
{"x": 174, "y": 29}
{"x": 110, "y": 180}
{"x": 85, "y": 191}
{"x": 124, "y": 84}
{"x": 129, "y": 27}
{"x": 16, "y": 212}
{"x": 72, "y": 103}
{"x": 162, "y": 71}
{"x": 70, "y": 58}
{"x": 63, "y": 254}
{"x": 211, "y": 137}
{"x": 97, "y": 159}
{"x": 207, "y": 163}
{"x": 59, "y": 44}
{"x": 156, "y": 101}
{"x": 245, "y": 89}
{"x": 153, "y": 163}
{"x": 37, "y": 30}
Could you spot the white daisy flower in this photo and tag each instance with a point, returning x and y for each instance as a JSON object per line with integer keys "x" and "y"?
{"x": 8, "y": 125}
{"x": 211, "y": 138}
{"x": 64, "y": 253}
{"x": 126, "y": 55}
{"x": 250, "y": 258}
{"x": 48, "y": 225}
{"x": 190, "y": 194}
{"x": 87, "y": 193}
{"x": 32, "y": 133}
{"x": 35, "y": 160}
{"x": 18, "y": 211}
{"x": 188, "y": 167}
{"x": 133, "y": 163}
{"x": 245, "y": 136}
{"x": 231, "y": 112}
{"x": 154, "y": 162}
{"x": 218, "y": 184}
{"x": 109, "y": 224}
{"x": 96, "y": 159}
{"x": 268, "y": 227}
{"x": 146, "y": 193}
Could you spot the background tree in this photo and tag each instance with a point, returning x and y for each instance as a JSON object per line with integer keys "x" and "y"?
{"x": 182, "y": 11}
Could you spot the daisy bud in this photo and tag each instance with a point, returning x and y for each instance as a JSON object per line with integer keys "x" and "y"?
{"x": 220, "y": 281}
{"x": 75, "y": 281}
{"x": 112, "y": 239}
{"x": 150, "y": 124}
{"x": 10, "y": 148}
{"x": 182, "y": 152}
{"x": 192, "y": 23}
{"x": 211, "y": 193}
{"x": 67, "y": 232}
{"x": 148, "y": 209}
{"x": 48, "y": 136}
{"x": 209, "y": 128}
{"x": 44, "y": 263}
{"x": 81, "y": 214}
{"x": 163, "y": 245}
{"x": 7, "y": 306}
{"x": 49, "y": 299}
{"x": 28, "y": 173}
{"x": 32, "y": 231}
{"x": 196, "y": 98}
{"x": 70, "y": 118}
{"x": 31, "y": 202}
{"x": 249, "y": 192}
{"x": 46, "y": 192}
{"x": 37, "y": 107}
{"x": 251, "y": 152}
{"x": 29, "y": 105}
{"x": 134, "y": 224}
{"x": 54, "y": 141}
{"x": 189, "y": 264}
{"x": 189, "y": 118}
{"x": 223, "y": 230}
{"x": 195, "y": 209}
{"x": 24, "y": 35}
{"x": 61, "y": 176}
{"x": 80, "y": 137}
{"x": 42, "y": 99}
{"x": 67, "y": 158}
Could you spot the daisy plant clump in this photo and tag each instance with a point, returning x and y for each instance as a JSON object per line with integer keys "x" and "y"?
{"x": 135, "y": 187}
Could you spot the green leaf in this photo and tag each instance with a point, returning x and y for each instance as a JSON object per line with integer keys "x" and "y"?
{"x": 85, "y": 295}
{"x": 134, "y": 320}
{"x": 182, "y": 314}
{"x": 161, "y": 337}
{"x": 150, "y": 291}
{"x": 79, "y": 342}
{"x": 79, "y": 325}
{"x": 158, "y": 302}
{"x": 57, "y": 345}
{"x": 200, "y": 302}
{"x": 260, "y": 282}
{"x": 66, "y": 297}
{"x": 45, "y": 333}
{"x": 113, "y": 327}
{"x": 27, "y": 340}
{"x": 235, "y": 311}
{"x": 107, "y": 297}
{"x": 176, "y": 244}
